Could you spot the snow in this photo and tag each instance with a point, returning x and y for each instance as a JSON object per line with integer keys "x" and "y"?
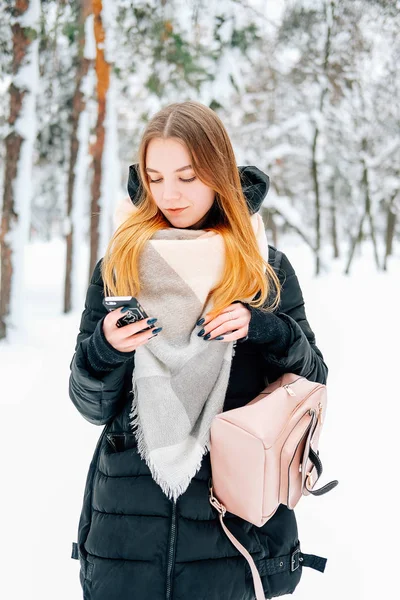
{"x": 47, "y": 445}
{"x": 90, "y": 41}
{"x": 109, "y": 16}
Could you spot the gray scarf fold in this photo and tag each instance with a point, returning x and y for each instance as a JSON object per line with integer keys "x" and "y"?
{"x": 179, "y": 379}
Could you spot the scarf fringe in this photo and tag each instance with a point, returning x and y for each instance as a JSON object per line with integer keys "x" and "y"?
{"x": 170, "y": 492}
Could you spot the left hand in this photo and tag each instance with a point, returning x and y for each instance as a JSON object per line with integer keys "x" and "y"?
{"x": 233, "y": 326}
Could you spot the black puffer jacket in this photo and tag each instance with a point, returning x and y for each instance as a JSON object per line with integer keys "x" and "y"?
{"x": 133, "y": 542}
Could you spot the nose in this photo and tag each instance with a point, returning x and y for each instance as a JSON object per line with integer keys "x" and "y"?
{"x": 169, "y": 190}
{"x": 170, "y": 193}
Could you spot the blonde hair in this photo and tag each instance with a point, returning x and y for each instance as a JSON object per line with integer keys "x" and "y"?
{"x": 246, "y": 273}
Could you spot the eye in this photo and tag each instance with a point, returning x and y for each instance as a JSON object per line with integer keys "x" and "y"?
{"x": 184, "y": 180}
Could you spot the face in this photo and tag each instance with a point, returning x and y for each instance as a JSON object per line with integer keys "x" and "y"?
{"x": 174, "y": 184}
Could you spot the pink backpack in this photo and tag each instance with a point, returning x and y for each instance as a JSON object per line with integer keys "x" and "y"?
{"x": 266, "y": 453}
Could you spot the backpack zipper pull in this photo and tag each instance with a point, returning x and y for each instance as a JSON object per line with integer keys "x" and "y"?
{"x": 289, "y": 390}
{"x": 320, "y": 412}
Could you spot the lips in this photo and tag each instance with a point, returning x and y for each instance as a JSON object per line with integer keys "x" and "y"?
{"x": 176, "y": 210}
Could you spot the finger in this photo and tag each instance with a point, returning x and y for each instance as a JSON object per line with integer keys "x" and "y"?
{"x": 140, "y": 339}
{"x": 232, "y": 307}
{"x": 131, "y": 328}
{"x": 116, "y": 314}
{"x": 231, "y": 312}
{"x": 227, "y": 328}
{"x": 218, "y": 326}
{"x": 234, "y": 335}
{"x": 236, "y": 308}
{"x": 138, "y": 326}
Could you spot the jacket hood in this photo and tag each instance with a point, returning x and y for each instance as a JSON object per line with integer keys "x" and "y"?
{"x": 255, "y": 185}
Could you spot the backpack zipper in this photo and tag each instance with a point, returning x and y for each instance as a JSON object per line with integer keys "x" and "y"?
{"x": 286, "y": 387}
{"x": 171, "y": 549}
{"x": 320, "y": 412}
{"x": 291, "y": 393}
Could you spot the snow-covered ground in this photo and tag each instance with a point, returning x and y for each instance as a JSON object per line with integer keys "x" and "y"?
{"x": 46, "y": 445}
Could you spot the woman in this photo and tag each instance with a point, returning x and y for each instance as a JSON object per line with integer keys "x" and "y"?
{"x": 192, "y": 248}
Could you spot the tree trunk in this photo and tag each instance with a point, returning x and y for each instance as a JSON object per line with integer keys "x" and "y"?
{"x": 289, "y": 224}
{"x": 15, "y": 217}
{"x": 373, "y": 238}
{"x": 314, "y": 170}
{"x": 390, "y": 230}
{"x": 368, "y": 206}
{"x": 334, "y": 235}
{"x": 102, "y": 68}
{"x": 335, "y": 244}
{"x": 78, "y": 107}
{"x": 367, "y": 213}
{"x": 356, "y": 240}
{"x": 314, "y": 163}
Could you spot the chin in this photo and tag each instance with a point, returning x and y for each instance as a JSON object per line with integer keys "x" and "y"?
{"x": 183, "y": 222}
{"x": 176, "y": 219}
{"x": 180, "y": 220}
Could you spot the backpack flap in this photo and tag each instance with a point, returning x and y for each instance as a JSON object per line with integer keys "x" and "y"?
{"x": 291, "y": 458}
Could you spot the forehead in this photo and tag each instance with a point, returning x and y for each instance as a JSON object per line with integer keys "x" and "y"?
{"x": 166, "y": 155}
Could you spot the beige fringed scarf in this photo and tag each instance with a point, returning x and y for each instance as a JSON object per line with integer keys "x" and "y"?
{"x": 179, "y": 380}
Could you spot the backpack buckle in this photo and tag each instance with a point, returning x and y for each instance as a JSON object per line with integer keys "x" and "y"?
{"x": 215, "y": 503}
{"x": 295, "y": 560}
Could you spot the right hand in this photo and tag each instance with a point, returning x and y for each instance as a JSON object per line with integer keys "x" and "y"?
{"x": 127, "y": 338}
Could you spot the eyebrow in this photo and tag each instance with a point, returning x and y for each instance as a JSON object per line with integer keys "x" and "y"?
{"x": 177, "y": 170}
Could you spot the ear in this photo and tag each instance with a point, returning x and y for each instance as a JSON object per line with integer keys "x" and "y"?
{"x": 123, "y": 209}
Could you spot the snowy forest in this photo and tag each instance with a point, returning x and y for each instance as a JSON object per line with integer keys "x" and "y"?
{"x": 309, "y": 91}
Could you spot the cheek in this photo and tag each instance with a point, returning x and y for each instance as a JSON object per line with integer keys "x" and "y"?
{"x": 156, "y": 194}
{"x": 210, "y": 199}
{"x": 204, "y": 196}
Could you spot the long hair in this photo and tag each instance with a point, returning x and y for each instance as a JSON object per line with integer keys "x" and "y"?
{"x": 246, "y": 273}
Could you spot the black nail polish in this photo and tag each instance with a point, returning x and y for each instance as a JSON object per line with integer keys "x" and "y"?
{"x": 207, "y": 337}
{"x": 202, "y": 332}
{"x": 220, "y": 337}
{"x": 200, "y": 322}
{"x": 157, "y": 330}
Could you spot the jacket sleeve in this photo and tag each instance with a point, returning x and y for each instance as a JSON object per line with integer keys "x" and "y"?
{"x": 99, "y": 374}
{"x": 297, "y": 351}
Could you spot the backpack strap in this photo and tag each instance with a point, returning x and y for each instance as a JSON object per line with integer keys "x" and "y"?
{"x": 316, "y": 462}
{"x": 270, "y": 566}
{"x": 258, "y": 586}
